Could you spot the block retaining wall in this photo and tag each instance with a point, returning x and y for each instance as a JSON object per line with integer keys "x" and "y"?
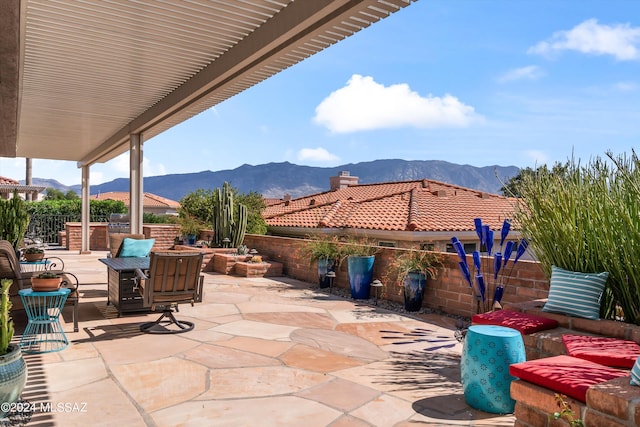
{"x": 449, "y": 292}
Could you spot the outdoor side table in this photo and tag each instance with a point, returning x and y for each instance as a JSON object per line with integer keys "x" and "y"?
{"x": 49, "y": 263}
{"x": 486, "y": 355}
{"x": 43, "y": 333}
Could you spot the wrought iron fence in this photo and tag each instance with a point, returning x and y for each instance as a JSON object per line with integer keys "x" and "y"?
{"x": 44, "y": 229}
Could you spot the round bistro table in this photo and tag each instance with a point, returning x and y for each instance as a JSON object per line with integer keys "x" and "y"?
{"x": 487, "y": 352}
{"x": 43, "y": 333}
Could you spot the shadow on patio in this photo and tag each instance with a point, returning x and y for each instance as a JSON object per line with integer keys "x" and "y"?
{"x": 269, "y": 352}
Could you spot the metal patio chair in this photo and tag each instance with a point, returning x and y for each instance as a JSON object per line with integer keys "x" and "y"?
{"x": 173, "y": 278}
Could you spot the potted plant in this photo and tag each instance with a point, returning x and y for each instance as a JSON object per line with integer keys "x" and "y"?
{"x": 323, "y": 250}
{"x": 412, "y": 268}
{"x": 13, "y": 369}
{"x": 46, "y": 281}
{"x": 33, "y": 253}
{"x": 190, "y": 227}
{"x": 360, "y": 255}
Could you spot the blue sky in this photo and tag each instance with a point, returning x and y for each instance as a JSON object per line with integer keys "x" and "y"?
{"x": 479, "y": 82}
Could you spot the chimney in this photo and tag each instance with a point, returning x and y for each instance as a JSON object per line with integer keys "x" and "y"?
{"x": 287, "y": 197}
{"x": 343, "y": 180}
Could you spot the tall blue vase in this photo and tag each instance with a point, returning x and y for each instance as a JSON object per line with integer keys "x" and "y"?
{"x": 360, "y": 270}
{"x": 414, "y": 285}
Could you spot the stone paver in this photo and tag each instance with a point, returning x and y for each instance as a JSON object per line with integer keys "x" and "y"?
{"x": 264, "y": 352}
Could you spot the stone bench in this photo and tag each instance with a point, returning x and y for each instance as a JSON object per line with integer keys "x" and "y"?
{"x": 549, "y": 343}
{"x": 610, "y": 403}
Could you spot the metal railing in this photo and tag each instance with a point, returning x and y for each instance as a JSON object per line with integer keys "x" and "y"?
{"x": 44, "y": 229}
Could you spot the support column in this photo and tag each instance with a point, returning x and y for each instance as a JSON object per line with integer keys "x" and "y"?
{"x": 85, "y": 217}
{"x": 135, "y": 183}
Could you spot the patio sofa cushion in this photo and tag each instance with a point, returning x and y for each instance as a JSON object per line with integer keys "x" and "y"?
{"x": 575, "y": 293}
{"x": 522, "y": 322}
{"x": 136, "y": 248}
{"x": 563, "y": 374}
{"x": 611, "y": 352}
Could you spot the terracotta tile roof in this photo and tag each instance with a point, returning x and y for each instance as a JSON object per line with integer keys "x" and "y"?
{"x": 149, "y": 200}
{"x": 271, "y": 201}
{"x": 421, "y": 205}
{"x": 8, "y": 181}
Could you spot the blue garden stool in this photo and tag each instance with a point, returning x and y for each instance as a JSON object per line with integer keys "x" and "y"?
{"x": 487, "y": 352}
{"x": 43, "y": 333}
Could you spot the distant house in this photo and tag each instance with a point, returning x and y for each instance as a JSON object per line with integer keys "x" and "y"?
{"x": 410, "y": 214}
{"x": 151, "y": 203}
{"x": 8, "y": 186}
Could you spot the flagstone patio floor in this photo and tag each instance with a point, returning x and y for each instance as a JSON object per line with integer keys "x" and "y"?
{"x": 264, "y": 352}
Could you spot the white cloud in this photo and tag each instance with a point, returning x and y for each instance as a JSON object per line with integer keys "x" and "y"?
{"x": 95, "y": 177}
{"x": 621, "y": 40}
{"x": 153, "y": 169}
{"x": 531, "y": 72}
{"x": 537, "y": 157}
{"x": 364, "y": 104}
{"x": 316, "y": 155}
{"x": 122, "y": 166}
{"x": 121, "y": 163}
{"x": 626, "y": 86}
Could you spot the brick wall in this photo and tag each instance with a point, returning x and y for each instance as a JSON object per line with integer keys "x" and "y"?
{"x": 71, "y": 238}
{"x": 449, "y": 292}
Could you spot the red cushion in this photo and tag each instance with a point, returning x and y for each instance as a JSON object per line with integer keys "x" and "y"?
{"x": 565, "y": 374}
{"x": 525, "y": 323}
{"x": 606, "y": 351}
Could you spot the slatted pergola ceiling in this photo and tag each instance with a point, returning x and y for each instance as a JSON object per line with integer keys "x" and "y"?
{"x": 91, "y": 72}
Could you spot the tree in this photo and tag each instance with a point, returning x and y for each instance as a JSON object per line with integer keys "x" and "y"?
{"x": 55, "y": 194}
{"x": 199, "y": 204}
{"x": 512, "y": 188}
{"x": 255, "y": 205}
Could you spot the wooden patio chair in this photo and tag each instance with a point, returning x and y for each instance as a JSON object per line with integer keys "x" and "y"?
{"x": 10, "y": 269}
{"x": 173, "y": 278}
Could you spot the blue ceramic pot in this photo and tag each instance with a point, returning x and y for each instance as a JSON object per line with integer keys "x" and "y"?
{"x": 360, "y": 274}
{"x": 13, "y": 376}
{"x": 414, "y": 285}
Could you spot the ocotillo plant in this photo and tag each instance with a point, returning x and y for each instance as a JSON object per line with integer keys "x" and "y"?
{"x": 6, "y": 323}
{"x": 225, "y": 224}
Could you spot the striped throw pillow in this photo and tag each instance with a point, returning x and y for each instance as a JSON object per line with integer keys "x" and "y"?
{"x": 576, "y": 294}
{"x": 635, "y": 373}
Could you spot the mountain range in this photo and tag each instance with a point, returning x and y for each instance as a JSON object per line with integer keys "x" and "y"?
{"x": 274, "y": 180}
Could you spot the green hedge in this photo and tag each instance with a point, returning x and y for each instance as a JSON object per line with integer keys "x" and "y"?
{"x": 99, "y": 210}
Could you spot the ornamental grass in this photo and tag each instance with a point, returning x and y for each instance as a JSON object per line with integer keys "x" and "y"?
{"x": 587, "y": 219}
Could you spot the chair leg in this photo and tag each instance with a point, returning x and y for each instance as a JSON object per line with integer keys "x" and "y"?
{"x": 167, "y": 318}
{"x": 76, "y": 308}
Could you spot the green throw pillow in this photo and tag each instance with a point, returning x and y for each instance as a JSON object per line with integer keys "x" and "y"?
{"x": 136, "y": 247}
{"x": 576, "y": 294}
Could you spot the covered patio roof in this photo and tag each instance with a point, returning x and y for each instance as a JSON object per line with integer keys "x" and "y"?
{"x": 87, "y": 80}
{"x": 77, "y": 78}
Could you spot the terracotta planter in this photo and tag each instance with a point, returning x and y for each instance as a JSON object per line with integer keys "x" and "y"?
{"x": 33, "y": 257}
{"x": 44, "y": 285}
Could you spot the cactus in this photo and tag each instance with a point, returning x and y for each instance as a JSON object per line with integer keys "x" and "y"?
{"x": 6, "y": 323}
{"x": 225, "y": 225}
{"x": 14, "y": 220}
